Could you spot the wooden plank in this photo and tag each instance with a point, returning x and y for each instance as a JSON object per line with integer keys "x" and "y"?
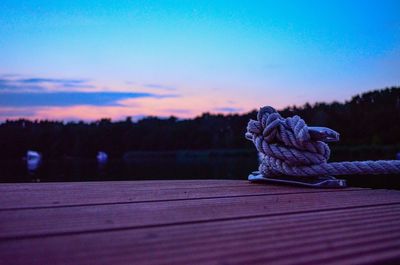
{"x": 249, "y": 236}
{"x": 390, "y": 255}
{"x": 340, "y": 236}
{"x": 141, "y": 185}
{"x": 51, "y": 221}
{"x": 14, "y": 197}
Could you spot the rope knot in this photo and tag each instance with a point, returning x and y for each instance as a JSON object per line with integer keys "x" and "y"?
{"x": 288, "y": 146}
{"x": 272, "y": 128}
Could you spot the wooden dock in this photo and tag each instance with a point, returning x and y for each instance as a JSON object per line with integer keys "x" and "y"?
{"x": 196, "y": 222}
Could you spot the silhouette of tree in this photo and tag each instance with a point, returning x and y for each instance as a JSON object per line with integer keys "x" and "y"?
{"x": 372, "y": 118}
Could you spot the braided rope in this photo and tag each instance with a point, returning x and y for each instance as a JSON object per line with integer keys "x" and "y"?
{"x": 288, "y": 146}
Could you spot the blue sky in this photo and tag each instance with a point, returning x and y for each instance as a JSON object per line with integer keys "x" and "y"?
{"x": 186, "y": 57}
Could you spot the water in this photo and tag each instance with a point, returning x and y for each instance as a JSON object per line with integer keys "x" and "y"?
{"x": 230, "y": 167}
{"x": 139, "y": 169}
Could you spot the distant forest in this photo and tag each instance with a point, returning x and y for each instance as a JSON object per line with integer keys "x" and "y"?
{"x": 372, "y": 118}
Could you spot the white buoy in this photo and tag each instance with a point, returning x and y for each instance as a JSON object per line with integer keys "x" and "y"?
{"x": 102, "y": 157}
{"x": 33, "y": 160}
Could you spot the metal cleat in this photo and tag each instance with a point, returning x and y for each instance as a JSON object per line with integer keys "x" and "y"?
{"x": 323, "y": 134}
{"x": 309, "y": 181}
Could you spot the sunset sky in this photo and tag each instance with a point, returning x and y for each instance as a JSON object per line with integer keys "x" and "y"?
{"x": 84, "y": 60}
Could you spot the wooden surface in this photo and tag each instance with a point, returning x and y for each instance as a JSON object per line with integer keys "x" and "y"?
{"x": 196, "y": 222}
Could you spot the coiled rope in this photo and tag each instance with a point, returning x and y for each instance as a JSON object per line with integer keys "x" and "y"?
{"x": 288, "y": 146}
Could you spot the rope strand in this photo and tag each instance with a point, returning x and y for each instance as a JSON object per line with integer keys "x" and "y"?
{"x": 289, "y": 147}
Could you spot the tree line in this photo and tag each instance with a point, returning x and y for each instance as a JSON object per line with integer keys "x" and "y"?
{"x": 372, "y": 118}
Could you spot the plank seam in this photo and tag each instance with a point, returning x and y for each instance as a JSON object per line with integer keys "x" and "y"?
{"x": 9, "y": 238}
{"x": 171, "y": 200}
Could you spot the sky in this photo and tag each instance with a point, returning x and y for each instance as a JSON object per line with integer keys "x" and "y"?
{"x": 86, "y": 60}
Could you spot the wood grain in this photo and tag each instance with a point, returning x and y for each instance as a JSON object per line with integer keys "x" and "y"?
{"x": 68, "y": 194}
{"x": 306, "y": 237}
{"x": 196, "y": 222}
{"x": 44, "y": 221}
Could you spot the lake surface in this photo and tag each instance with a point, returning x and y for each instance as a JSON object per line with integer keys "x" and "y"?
{"x": 231, "y": 167}
{"x": 138, "y": 169}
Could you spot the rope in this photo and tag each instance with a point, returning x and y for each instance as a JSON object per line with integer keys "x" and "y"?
{"x": 288, "y": 146}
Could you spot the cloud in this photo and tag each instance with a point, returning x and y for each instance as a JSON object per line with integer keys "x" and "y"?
{"x": 177, "y": 111}
{"x": 62, "y": 99}
{"x": 51, "y": 80}
{"x": 11, "y": 82}
{"x": 227, "y": 109}
{"x": 7, "y": 84}
{"x": 158, "y": 86}
{"x": 9, "y": 75}
{"x": 13, "y": 113}
{"x": 76, "y": 85}
{"x": 66, "y": 83}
